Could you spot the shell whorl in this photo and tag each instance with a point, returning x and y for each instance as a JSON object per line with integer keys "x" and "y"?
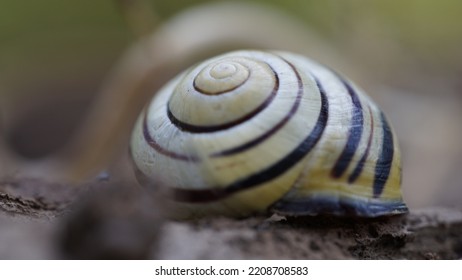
{"x": 222, "y": 94}
{"x": 250, "y": 131}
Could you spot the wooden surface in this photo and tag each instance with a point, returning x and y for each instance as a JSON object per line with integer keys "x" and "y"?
{"x": 43, "y": 220}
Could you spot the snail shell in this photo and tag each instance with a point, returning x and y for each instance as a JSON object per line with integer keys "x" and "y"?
{"x": 252, "y": 131}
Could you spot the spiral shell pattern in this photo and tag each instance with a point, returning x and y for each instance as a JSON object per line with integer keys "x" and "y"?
{"x": 253, "y": 131}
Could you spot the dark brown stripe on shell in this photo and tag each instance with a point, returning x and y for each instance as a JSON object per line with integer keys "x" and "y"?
{"x": 199, "y": 196}
{"x": 268, "y": 174}
{"x": 151, "y": 142}
{"x": 383, "y": 165}
{"x": 354, "y": 134}
{"x": 359, "y": 168}
{"x": 274, "y": 129}
{"x": 207, "y": 129}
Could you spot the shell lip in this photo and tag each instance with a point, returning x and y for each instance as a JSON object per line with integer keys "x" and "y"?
{"x": 338, "y": 206}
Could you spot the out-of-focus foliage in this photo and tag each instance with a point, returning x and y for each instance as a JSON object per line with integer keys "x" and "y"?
{"x": 52, "y": 40}
{"x": 43, "y": 40}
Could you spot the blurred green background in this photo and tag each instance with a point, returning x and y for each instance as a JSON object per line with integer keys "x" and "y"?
{"x": 54, "y": 55}
{"x": 55, "y": 40}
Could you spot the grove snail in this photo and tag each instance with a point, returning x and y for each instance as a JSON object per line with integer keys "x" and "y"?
{"x": 255, "y": 131}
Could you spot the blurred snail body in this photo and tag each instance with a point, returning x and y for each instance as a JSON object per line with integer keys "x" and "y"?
{"x": 252, "y": 131}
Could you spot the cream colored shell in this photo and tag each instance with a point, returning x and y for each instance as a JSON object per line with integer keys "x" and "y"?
{"x": 254, "y": 131}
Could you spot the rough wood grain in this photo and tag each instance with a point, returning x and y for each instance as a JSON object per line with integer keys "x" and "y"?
{"x": 41, "y": 220}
